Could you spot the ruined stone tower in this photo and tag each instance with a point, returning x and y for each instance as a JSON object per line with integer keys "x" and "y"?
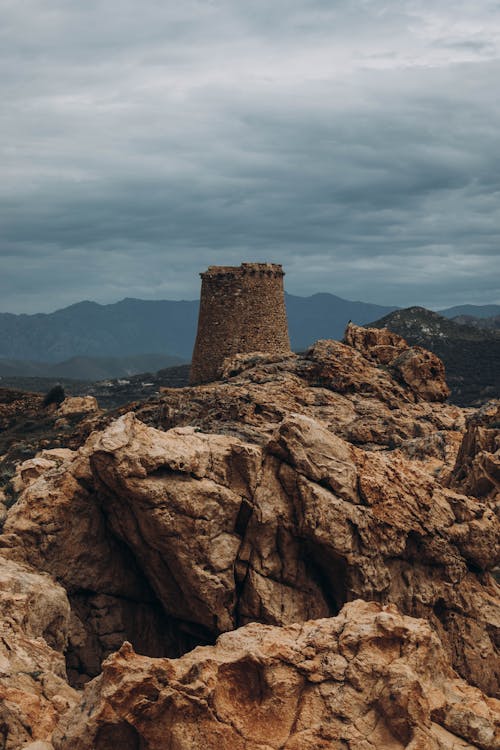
{"x": 242, "y": 309}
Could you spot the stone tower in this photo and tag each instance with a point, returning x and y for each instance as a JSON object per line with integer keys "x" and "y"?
{"x": 242, "y": 309}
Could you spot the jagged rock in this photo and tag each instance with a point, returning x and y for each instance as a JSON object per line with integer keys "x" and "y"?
{"x": 437, "y": 453}
{"x": 421, "y": 370}
{"x": 57, "y": 525}
{"x": 375, "y": 526}
{"x": 240, "y": 362}
{"x": 33, "y": 634}
{"x": 32, "y": 468}
{"x": 226, "y": 532}
{"x": 357, "y": 398}
{"x": 477, "y": 467}
{"x": 78, "y": 405}
{"x": 29, "y": 430}
{"x": 298, "y": 484}
{"x": 182, "y": 496}
{"x": 378, "y": 344}
{"x": 365, "y": 680}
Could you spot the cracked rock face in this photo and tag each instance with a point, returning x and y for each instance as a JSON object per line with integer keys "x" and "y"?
{"x": 422, "y": 371}
{"x": 182, "y": 500}
{"x": 477, "y": 467}
{"x": 222, "y": 533}
{"x": 259, "y": 511}
{"x": 364, "y": 680}
{"x": 34, "y": 627}
{"x": 58, "y": 526}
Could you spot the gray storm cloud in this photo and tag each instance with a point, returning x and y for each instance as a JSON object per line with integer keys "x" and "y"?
{"x": 358, "y": 143}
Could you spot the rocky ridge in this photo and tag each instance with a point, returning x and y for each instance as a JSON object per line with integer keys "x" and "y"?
{"x": 259, "y": 510}
{"x": 470, "y": 353}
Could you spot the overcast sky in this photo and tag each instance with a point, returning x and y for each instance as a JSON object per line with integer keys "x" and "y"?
{"x": 355, "y": 141}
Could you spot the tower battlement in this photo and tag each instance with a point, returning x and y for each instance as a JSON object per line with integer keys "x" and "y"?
{"x": 242, "y": 309}
{"x": 246, "y": 269}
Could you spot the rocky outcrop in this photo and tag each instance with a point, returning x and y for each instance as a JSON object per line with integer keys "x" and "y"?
{"x": 226, "y": 532}
{"x": 34, "y": 627}
{"x": 477, "y": 468}
{"x": 260, "y": 507}
{"x": 58, "y": 526}
{"x": 78, "y": 405}
{"x": 28, "y": 471}
{"x": 355, "y": 397}
{"x": 373, "y": 526}
{"x": 31, "y": 430}
{"x": 182, "y": 498}
{"x": 419, "y": 369}
{"x": 367, "y": 679}
{"x": 16, "y": 404}
{"x": 377, "y": 344}
{"x": 471, "y": 355}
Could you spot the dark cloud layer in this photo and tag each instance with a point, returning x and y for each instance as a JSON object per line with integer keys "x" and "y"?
{"x": 358, "y": 143}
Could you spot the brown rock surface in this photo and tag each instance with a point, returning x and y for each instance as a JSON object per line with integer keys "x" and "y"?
{"x": 477, "y": 467}
{"x": 28, "y": 429}
{"x": 365, "y": 680}
{"x": 378, "y": 344}
{"x": 14, "y": 404}
{"x": 181, "y": 495}
{"x": 33, "y": 633}
{"x": 78, "y": 405}
{"x": 226, "y": 532}
{"x": 358, "y": 399}
{"x": 374, "y": 526}
{"x": 58, "y": 526}
{"x": 422, "y": 371}
{"x": 296, "y": 485}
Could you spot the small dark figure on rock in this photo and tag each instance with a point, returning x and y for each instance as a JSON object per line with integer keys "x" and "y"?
{"x": 56, "y": 395}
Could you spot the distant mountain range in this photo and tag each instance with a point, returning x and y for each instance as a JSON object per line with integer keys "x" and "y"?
{"x": 475, "y": 311}
{"x": 89, "y": 341}
{"x": 471, "y": 354}
{"x": 133, "y": 327}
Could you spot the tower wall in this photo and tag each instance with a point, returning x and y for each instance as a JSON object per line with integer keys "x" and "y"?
{"x": 242, "y": 309}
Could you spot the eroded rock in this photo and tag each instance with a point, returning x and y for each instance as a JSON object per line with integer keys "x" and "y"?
{"x": 223, "y": 532}
{"x": 182, "y": 497}
{"x": 34, "y": 628}
{"x": 78, "y": 405}
{"x": 297, "y": 485}
{"x": 419, "y": 369}
{"x": 58, "y": 526}
{"x": 477, "y": 467}
{"x": 367, "y": 679}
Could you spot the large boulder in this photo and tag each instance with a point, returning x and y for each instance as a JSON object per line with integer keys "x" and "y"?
{"x": 219, "y": 532}
{"x": 477, "y": 466}
{"x": 57, "y": 525}
{"x": 34, "y": 628}
{"x": 78, "y": 405}
{"x": 419, "y": 369}
{"x": 178, "y": 500}
{"x": 368, "y": 678}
